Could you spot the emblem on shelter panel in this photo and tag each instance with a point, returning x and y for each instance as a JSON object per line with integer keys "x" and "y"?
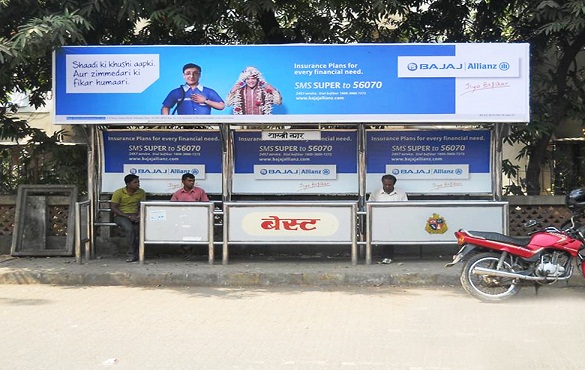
{"x": 436, "y": 225}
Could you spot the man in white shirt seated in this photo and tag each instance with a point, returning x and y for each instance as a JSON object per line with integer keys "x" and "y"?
{"x": 388, "y": 194}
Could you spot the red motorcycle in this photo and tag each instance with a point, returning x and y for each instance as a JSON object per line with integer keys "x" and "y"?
{"x": 498, "y": 265}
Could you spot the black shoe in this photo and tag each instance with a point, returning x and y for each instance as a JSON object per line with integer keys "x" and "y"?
{"x": 132, "y": 259}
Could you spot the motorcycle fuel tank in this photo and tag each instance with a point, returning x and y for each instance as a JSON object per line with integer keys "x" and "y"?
{"x": 553, "y": 240}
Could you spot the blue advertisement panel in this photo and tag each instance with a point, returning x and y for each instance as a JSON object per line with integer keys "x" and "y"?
{"x": 292, "y": 83}
{"x": 424, "y": 162}
{"x": 295, "y": 162}
{"x": 160, "y": 158}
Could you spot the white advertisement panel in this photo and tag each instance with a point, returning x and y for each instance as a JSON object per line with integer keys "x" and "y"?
{"x": 176, "y": 222}
{"x": 430, "y": 222}
{"x": 291, "y": 223}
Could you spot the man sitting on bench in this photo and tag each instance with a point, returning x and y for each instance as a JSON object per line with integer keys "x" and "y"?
{"x": 126, "y": 207}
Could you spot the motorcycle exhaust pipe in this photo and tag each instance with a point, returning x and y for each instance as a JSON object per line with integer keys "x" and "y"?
{"x": 513, "y": 275}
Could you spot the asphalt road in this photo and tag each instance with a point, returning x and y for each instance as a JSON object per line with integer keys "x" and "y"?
{"x": 51, "y": 327}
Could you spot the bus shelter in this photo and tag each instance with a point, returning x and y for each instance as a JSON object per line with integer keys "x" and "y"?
{"x": 340, "y": 117}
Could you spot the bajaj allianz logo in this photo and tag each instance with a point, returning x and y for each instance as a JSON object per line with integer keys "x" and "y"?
{"x": 504, "y": 66}
{"x": 165, "y": 171}
{"x": 309, "y": 172}
{"x": 429, "y": 172}
{"x": 457, "y": 67}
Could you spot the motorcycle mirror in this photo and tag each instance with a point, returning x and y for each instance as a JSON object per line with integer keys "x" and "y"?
{"x": 530, "y": 223}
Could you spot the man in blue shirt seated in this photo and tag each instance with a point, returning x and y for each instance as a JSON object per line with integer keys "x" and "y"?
{"x": 192, "y": 97}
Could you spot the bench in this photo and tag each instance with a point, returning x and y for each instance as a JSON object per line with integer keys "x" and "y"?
{"x": 105, "y": 210}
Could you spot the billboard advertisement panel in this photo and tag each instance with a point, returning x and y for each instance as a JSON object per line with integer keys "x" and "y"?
{"x": 426, "y": 162}
{"x": 160, "y": 158}
{"x": 295, "y": 162}
{"x": 298, "y": 83}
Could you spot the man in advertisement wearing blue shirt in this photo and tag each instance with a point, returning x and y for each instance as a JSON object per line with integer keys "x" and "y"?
{"x": 192, "y": 97}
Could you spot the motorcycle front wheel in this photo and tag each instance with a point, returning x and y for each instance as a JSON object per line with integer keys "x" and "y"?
{"x": 488, "y": 288}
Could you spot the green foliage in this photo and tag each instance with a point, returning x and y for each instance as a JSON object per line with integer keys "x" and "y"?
{"x": 26, "y": 44}
{"x": 569, "y": 158}
{"x": 33, "y": 37}
{"x": 516, "y": 185}
{"x": 42, "y": 160}
{"x": 558, "y": 79}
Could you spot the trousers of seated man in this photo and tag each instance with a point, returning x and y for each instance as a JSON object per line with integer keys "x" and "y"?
{"x": 131, "y": 233}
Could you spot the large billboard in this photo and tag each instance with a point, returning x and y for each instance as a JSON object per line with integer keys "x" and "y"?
{"x": 299, "y": 83}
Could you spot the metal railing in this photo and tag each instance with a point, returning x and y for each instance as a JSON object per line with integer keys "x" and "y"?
{"x": 83, "y": 231}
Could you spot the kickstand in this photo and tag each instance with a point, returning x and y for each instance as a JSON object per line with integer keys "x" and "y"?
{"x": 536, "y": 287}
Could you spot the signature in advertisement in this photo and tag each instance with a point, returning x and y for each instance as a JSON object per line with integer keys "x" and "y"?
{"x": 314, "y": 185}
{"x": 445, "y": 185}
{"x": 473, "y": 87}
{"x": 171, "y": 186}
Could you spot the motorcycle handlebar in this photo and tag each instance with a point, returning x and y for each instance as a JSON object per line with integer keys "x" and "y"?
{"x": 548, "y": 229}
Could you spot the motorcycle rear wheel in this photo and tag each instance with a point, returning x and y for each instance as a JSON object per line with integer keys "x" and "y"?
{"x": 488, "y": 288}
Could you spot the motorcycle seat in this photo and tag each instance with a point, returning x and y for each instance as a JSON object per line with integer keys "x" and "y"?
{"x": 521, "y": 241}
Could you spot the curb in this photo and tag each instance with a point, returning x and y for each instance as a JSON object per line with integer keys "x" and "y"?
{"x": 220, "y": 279}
{"x": 242, "y": 273}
